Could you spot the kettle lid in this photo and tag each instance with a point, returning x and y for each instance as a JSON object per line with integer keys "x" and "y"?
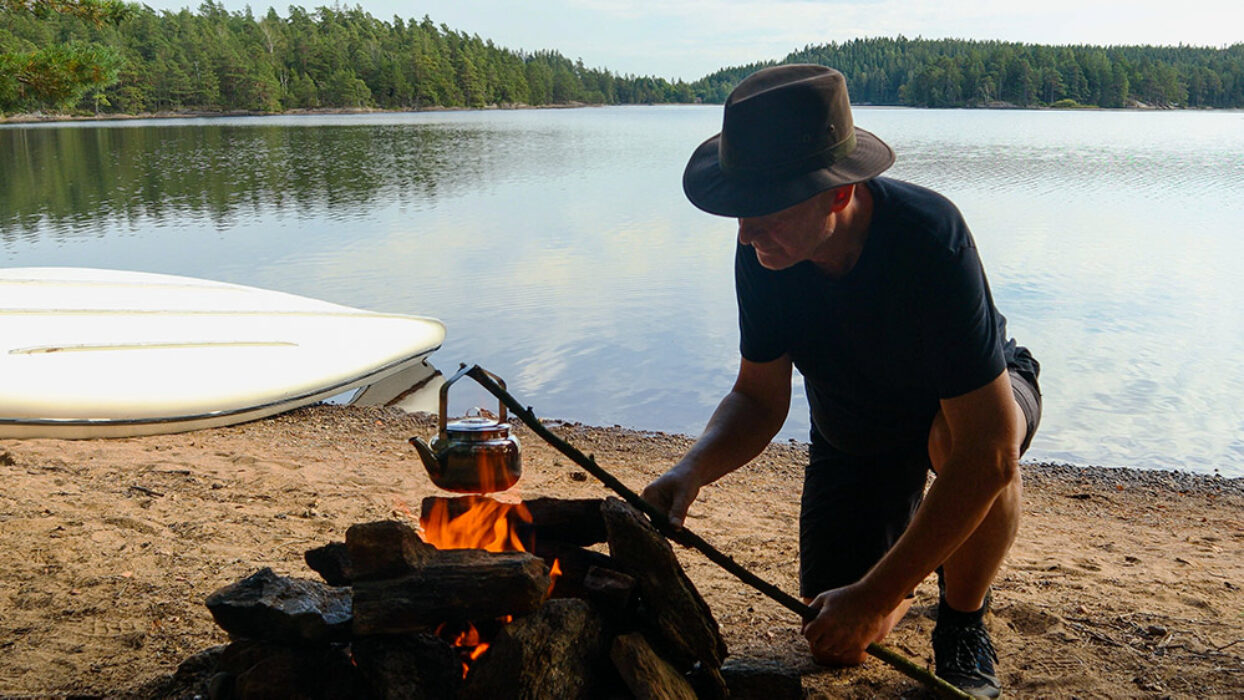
{"x": 478, "y": 428}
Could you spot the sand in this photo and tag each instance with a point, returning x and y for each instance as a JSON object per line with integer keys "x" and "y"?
{"x": 1122, "y": 583}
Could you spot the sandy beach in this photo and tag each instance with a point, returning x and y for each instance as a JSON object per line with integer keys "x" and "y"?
{"x": 1123, "y": 582}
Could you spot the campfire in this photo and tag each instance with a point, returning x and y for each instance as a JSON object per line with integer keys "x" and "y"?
{"x": 481, "y": 598}
{"x": 412, "y": 613}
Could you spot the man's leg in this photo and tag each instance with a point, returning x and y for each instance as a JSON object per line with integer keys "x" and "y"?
{"x": 963, "y": 652}
{"x": 854, "y": 509}
{"x": 970, "y": 570}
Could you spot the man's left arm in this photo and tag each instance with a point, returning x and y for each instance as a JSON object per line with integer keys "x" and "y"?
{"x": 985, "y": 428}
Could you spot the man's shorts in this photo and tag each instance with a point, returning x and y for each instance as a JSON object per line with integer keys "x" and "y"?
{"x": 855, "y": 508}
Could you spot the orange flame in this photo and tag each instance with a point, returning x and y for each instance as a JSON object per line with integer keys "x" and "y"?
{"x": 466, "y": 641}
{"x": 554, "y": 573}
{"x": 477, "y": 522}
{"x": 483, "y": 523}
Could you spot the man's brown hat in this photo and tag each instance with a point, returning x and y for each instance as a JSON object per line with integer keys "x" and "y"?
{"x": 787, "y": 134}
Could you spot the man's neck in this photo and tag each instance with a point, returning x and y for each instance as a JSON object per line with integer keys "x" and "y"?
{"x": 850, "y": 231}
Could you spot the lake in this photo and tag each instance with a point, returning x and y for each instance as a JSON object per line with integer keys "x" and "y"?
{"x": 558, "y": 249}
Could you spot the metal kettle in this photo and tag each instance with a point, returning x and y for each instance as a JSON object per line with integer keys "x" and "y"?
{"x": 475, "y": 454}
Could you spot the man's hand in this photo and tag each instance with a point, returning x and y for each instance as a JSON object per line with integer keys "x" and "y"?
{"x": 672, "y": 493}
{"x": 845, "y": 624}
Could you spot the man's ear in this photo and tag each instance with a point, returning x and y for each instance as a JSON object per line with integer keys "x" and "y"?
{"x": 842, "y": 197}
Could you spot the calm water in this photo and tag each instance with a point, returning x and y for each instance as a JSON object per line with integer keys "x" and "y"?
{"x": 557, "y": 247}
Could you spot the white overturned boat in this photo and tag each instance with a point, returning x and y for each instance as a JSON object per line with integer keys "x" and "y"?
{"x": 90, "y": 353}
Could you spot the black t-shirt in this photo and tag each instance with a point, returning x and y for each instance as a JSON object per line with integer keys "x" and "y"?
{"x": 913, "y": 322}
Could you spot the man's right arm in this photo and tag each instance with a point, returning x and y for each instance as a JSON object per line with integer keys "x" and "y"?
{"x": 745, "y": 421}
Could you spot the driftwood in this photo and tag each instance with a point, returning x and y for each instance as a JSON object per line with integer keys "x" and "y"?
{"x": 574, "y": 521}
{"x": 451, "y": 585}
{"x": 552, "y": 653}
{"x": 648, "y": 676}
{"x": 267, "y": 606}
{"x": 688, "y": 632}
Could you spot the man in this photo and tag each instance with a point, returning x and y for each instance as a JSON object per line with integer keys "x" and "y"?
{"x": 872, "y": 288}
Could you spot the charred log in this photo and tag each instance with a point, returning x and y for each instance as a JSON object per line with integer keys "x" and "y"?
{"x": 384, "y": 549}
{"x": 574, "y": 563}
{"x": 574, "y": 521}
{"x": 408, "y": 667}
{"x": 577, "y": 521}
{"x": 648, "y": 676}
{"x": 612, "y": 592}
{"x": 753, "y": 679}
{"x": 553, "y": 653}
{"x": 708, "y": 683}
{"x": 254, "y": 670}
{"x": 451, "y": 585}
{"x": 267, "y": 606}
{"x": 688, "y": 633}
{"x": 331, "y": 562}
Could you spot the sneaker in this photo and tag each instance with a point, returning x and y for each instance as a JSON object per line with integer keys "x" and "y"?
{"x": 964, "y": 656}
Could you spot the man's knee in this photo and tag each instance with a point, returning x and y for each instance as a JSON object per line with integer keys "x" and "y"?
{"x": 941, "y": 442}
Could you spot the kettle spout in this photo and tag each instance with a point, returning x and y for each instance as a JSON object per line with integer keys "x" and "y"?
{"x": 430, "y": 461}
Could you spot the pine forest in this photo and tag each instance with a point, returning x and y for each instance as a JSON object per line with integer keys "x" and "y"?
{"x": 103, "y": 56}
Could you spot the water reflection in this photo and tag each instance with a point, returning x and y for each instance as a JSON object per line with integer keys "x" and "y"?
{"x": 560, "y": 252}
{"x": 64, "y": 182}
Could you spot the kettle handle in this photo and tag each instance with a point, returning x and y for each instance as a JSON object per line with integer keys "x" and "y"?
{"x": 442, "y": 427}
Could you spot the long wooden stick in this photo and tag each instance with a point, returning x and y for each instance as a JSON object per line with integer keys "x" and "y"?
{"x": 687, "y": 538}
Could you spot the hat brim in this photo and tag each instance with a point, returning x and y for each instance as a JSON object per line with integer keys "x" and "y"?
{"x": 713, "y": 191}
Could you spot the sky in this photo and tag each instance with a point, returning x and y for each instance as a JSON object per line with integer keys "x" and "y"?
{"x": 688, "y": 39}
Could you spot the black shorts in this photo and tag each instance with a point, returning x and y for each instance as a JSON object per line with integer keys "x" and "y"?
{"x": 855, "y": 508}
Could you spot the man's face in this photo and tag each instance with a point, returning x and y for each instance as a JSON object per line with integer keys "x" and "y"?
{"x": 790, "y": 236}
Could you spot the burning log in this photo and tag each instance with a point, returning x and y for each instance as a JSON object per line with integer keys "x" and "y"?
{"x": 577, "y": 521}
{"x": 574, "y": 521}
{"x": 688, "y": 633}
{"x": 648, "y": 676}
{"x": 573, "y": 564}
{"x": 451, "y": 585}
{"x": 267, "y": 606}
{"x": 550, "y": 654}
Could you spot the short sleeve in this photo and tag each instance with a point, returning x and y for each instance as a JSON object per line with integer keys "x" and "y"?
{"x": 960, "y": 335}
{"x": 762, "y": 336}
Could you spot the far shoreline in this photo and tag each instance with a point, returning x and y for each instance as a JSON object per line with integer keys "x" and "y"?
{"x": 51, "y": 118}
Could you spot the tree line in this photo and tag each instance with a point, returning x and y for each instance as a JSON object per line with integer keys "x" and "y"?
{"x": 135, "y": 60}
{"x": 961, "y": 73}
{"x": 107, "y": 56}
